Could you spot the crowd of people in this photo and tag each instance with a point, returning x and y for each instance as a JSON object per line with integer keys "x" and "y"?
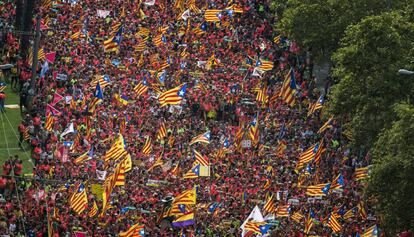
{"x": 220, "y": 61}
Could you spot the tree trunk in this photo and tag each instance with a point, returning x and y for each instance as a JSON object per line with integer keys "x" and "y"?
{"x": 19, "y": 14}
{"x": 27, "y": 26}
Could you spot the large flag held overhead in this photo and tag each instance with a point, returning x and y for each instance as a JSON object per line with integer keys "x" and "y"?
{"x": 212, "y": 15}
{"x": 260, "y": 228}
{"x": 112, "y": 44}
{"x": 147, "y": 148}
{"x": 283, "y": 210}
{"x": 117, "y": 149}
{"x": 338, "y": 182}
{"x": 261, "y": 95}
{"x": 255, "y": 216}
{"x": 371, "y": 232}
{"x": 288, "y": 90}
{"x": 162, "y": 132}
{"x": 326, "y": 125}
{"x": 318, "y": 190}
{"x": 184, "y": 220}
{"x": 203, "y": 138}
{"x": 97, "y": 99}
{"x": 254, "y": 130}
{"x": 173, "y": 96}
{"x": 94, "y": 210}
{"x": 308, "y": 155}
{"x": 308, "y": 223}
{"x": 269, "y": 206}
{"x": 188, "y": 197}
{"x": 103, "y": 80}
{"x": 136, "y": 230}
{"x": 49, "y": 122}
{"x": 199, "y": 158}
{"x": 84, "y": 157}
{"x": 297, "y": 217}
{"x": 141, "y": 88}
{"x": 361, "y": 173}
{"x": 109, "y": 185}
{"x": 315, "y": 106}
{"x": 334, "y": 223}
{"x": 78, "y": 200}
{"x": 193, "y": 173}
{"x": 69, "y": 129}
{"x": 264, "y": 65}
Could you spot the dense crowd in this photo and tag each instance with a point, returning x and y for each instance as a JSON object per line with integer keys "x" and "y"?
{"x": 218, "y": 64}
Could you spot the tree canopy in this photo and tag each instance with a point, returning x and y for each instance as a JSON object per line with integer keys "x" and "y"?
{"x": 321, "y": 24}
{"x": 367, "y": 42}
{"x": 392, "y": 176}
{"x": 366, "y": 63}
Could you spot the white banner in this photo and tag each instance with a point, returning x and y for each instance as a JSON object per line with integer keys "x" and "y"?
{"x": 102, "y": 13}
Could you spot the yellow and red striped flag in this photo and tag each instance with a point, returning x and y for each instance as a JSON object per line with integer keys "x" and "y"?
{"x": 371, "y": 232}
{"x": 308, "y": 224}
{"x": 200, "y": 159}
{"x": 117, "y": 149}
{"x": 78, "y": 200}
{"x": 162, "y": 132}
{"x": 318, "y": 190}
{"x": 103, "y": 80}
{"x": 49, "y": 122}
{"x": 212, "y": 15}
{"x": 235, "y": 8}
{"x": 315, "y": 106}
{"x": 173, "y": 96}
{"x": 361, "y": 173}
{"x": 158, "y": 162}
{"x": 283, "y": 211}
{"x": 269, "y": 206}
{"x": 289, "y": 88}
{"x": 203, "y": 138}
{"x": 147, "y": 148}
{"x": 334, "y": 223}
{"x": 267, "y": 184}
{"x": 94, "y": 210}
{"x": 264, "y": 65}
{"x": 297, "y": 217}
{"x": 134, "y": 231}
{"x": 307, "y": 156}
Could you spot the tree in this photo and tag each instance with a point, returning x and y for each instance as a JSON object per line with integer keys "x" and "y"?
{"x": 19, "y": 14}
{"x": 27, "y": 26}
{"x": 320, "y": 24}
{"x": 366, "y": 63}
{"x": 392, "y": 178}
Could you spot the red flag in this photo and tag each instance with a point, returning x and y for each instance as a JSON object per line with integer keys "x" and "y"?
{"x": 56, "y": 98}
{"x": 43, "y": 26}
{"x": 51, "y": 109}
{"x": 55, "y": 73}
{"x": 80, "y": 234}
{"x": 50, "y": 57}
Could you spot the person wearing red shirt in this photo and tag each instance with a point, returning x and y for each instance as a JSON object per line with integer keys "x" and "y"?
{"x": 18, "y": 166}
{"x": 3, "y": 183}
{"x": 7, "y": 167}
{"x": 37, "y": 122}
{"x": 2, "y": 100}
{"x": 21, "y": 131}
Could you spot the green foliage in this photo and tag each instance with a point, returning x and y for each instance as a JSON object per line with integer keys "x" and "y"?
{"x": 392, "y": 176}
{"x": 368, "y": 41}
{"x": 320, "y": 24}
{"x": 367, "y": 61}
{"x": 278, "y": 7}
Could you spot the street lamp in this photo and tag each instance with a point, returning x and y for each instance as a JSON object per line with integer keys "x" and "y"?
{"x": 405, "y": 72}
